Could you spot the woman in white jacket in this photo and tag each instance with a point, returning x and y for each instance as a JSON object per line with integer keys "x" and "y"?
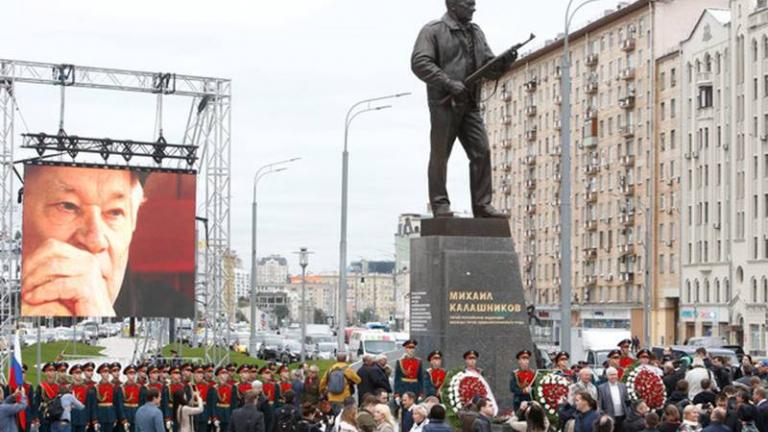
{"x": 419, "y": 418}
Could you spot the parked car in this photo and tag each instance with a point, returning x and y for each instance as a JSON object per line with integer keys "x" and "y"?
{"x": 290, "y": 352}
{"x": 324, "y": 351}
{"x": 270, "y": 348}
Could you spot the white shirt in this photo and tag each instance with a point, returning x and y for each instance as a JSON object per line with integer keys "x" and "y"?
{"x": 618, "y": 406}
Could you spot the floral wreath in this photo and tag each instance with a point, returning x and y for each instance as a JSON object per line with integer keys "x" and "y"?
{"x": 548, "y": 389}
{"x": 460, "y": 388}
{"x": 644, "y": 383}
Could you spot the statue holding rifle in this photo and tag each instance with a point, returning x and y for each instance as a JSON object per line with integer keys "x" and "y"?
{"x": 452, "y": 57}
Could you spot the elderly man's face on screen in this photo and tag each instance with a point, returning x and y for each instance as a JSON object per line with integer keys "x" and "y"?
{"x": 78, "y": 224}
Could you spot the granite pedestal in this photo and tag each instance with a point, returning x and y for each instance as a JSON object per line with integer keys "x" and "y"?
{"x": 466, "y": 293}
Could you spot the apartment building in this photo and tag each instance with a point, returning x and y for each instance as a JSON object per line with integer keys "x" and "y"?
{"x": 614, "y": 125}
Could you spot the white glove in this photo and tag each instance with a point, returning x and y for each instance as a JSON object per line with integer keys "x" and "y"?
{"x": 168, "y": 425}
{"x": 217, "y": 423}
{"x": 126, "y": 426}
{"x": 97, "y": 427}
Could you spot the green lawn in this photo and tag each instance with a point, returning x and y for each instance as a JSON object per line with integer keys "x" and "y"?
{"x": 54, "y": 350}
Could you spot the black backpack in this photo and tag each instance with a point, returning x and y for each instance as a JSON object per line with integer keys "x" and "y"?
{"x": 53, "y": 410}
{"x": 286, "y": 419}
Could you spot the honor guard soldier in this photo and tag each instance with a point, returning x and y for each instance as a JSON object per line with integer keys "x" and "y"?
{"x": 131, "y": 397}
{"x": 614, "y": 361}
{"x": 105, "y": 413}
{"x": 186, "y": 374}
{"x": 223, "y": 401}
{"x": 231, "y": 369}
{"x": 115, "y": 369}
{"x": 243, "y": 385}
{"x": 626, "y": 357}
{"x": 285, "y": 383}
{"x": 44, "y": 394}
{"x": 522, "y": 379}
{"x": 141, "y": 375}
{"x": 173, "y": 387}
{"x": 156, "y": 383}
{"x": 80, "y": 419}
{"x": 88, "y": 369}
{"x": 203, "y": 420}
{"x": 270, "y": 389}
{"x": 470, "y": 362}
{"x": 61, "y": 373}
{"x": 409, "y": 373}
{"x": 435, "y": 374}
{"x": 561, "y": 365}
{"x": 209, "y": 377}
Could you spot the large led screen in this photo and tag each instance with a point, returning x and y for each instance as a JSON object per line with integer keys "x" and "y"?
{"x": 101, "y": 242}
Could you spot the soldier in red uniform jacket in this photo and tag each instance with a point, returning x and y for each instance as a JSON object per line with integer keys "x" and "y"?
{"x": 80, "y": 419}
{"x": 88, "y": 369}
{"x": 107, "y": 401}
{"x": 44, "y": 394}
{"x": 522, "y": 378}
{"x": 243, "y": 385}
{"x": 561, "y": 365}
{"x": 204, "y": 388}
{"x": 61, "y": 373}
{"x": 155, "y": 382}
{"x": 285, "y": 381}
{"x": 270, "y": 389}
{"x": 409, "y": 372}
{"x": 435, "y": 374}
{"x": 131, "y": 397}
{"x": 115, "y": 369}
{"x": 223, "y": 400}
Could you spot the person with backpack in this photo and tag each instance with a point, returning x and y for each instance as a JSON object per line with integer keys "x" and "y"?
{"x": 60, "y": 410}
{"x": 287, "y": 416}
{"x": 338, "y": 382}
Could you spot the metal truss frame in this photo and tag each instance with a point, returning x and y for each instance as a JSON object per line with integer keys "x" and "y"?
{"x": 208, "y": 129}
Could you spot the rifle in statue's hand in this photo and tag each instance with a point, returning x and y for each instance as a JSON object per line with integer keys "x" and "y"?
{"x": 481, "y": 73}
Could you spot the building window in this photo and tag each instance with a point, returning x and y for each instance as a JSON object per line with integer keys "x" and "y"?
{"x": 706, "y": 291}
{"x": 672, "y": 108}
{"x": 672, "y": 77}
{"x": 672, "y": 263}
{"x": 661, "y": 264}
{"x": 704, "y": 99}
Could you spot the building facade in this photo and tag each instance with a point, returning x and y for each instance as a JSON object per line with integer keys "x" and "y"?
{"x": 615, "y": 127}
{"x": 271, "y": 272}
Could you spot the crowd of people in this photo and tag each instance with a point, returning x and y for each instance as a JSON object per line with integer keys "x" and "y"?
{"x": 701, "y": 393}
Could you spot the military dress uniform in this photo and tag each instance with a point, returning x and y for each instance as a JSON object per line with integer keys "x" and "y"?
{"x": 131, "y": 395}
{"x": 44, "y": 394}
{"x": 409, "y": 373}
{"x": 435, "y": 375}
{"x": 80, "y": 419}
{"x": 243, "y": 386}
{"x": 271, "y": 393}
{"x": 161, "y": 388}
{"x": 561, "y": 370}
{"x": 223, "y": 402}
{"x": 521, "y": 381}
{"x": 206, "y": 389}
{"x": 108, "y": 403}
{"x": 626, "y": 358}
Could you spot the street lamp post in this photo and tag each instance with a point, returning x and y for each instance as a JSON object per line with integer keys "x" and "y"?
{"x": 303, "y": 262}
{"x": 351, "y": 114}
{"x": 260, "y": 173}
{"x": 565, "y": 185}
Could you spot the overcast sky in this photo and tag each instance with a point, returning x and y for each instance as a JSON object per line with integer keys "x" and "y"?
{"x": 296, "y": 66}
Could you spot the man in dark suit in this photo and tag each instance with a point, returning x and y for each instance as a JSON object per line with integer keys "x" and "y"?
{"x": 248, "y": 418}
{"x": 717, "y": 420}
{"x": 612, "y": 397}
{"x": 758, "y": 396}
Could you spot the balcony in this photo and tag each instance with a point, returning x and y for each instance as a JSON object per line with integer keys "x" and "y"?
{"x": 627, "y": 131}
{"x": 627, "y": 102}
{"x": 506, "y": 119}
{"x": 530, "y": 209}
{"x": 627, "y": 74}
{"x": 531, "y": 85}
{"x": 590, "y": 141}
{"x": 591, "y": 113}
{"x": 590, "y": 253}
{"x": 591, "y": 86}
{"x": 592, "y": 60}
{"x": 530, "y": 110}
{"x": 626, "y": 249}
{"x": 590, "y": 280}
{"x": 703, "y": 78}
{"x": 628, "y": 160}
{"x": 558, "y": 124}
{"x": 627, "y": 277}
{"x": 556, "y": 229}
{"x": 590, "y": 197}
{"x": 627, "y": 189}
{"x": 627, "y": 218}
{"x": 530, "y": 184}
{"x": 590, "y": 224}
{"x": 530, "y": 161}
{"x": 628, "y": 44}
{"x": 591, "y": 169}
{"x": 530, "y": 134}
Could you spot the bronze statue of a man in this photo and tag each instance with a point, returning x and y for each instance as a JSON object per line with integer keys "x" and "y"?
{"x": 446, "y": 52}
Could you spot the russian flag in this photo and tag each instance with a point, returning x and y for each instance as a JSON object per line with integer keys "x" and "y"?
{"x": 16, "y": 376}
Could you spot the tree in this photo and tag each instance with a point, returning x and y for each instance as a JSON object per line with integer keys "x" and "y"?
{"x": 319, "y": 317}
{"x": 281, "y": 312}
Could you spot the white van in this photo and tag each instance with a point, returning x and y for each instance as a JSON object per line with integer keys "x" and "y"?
{"x": 370, "y": 342}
